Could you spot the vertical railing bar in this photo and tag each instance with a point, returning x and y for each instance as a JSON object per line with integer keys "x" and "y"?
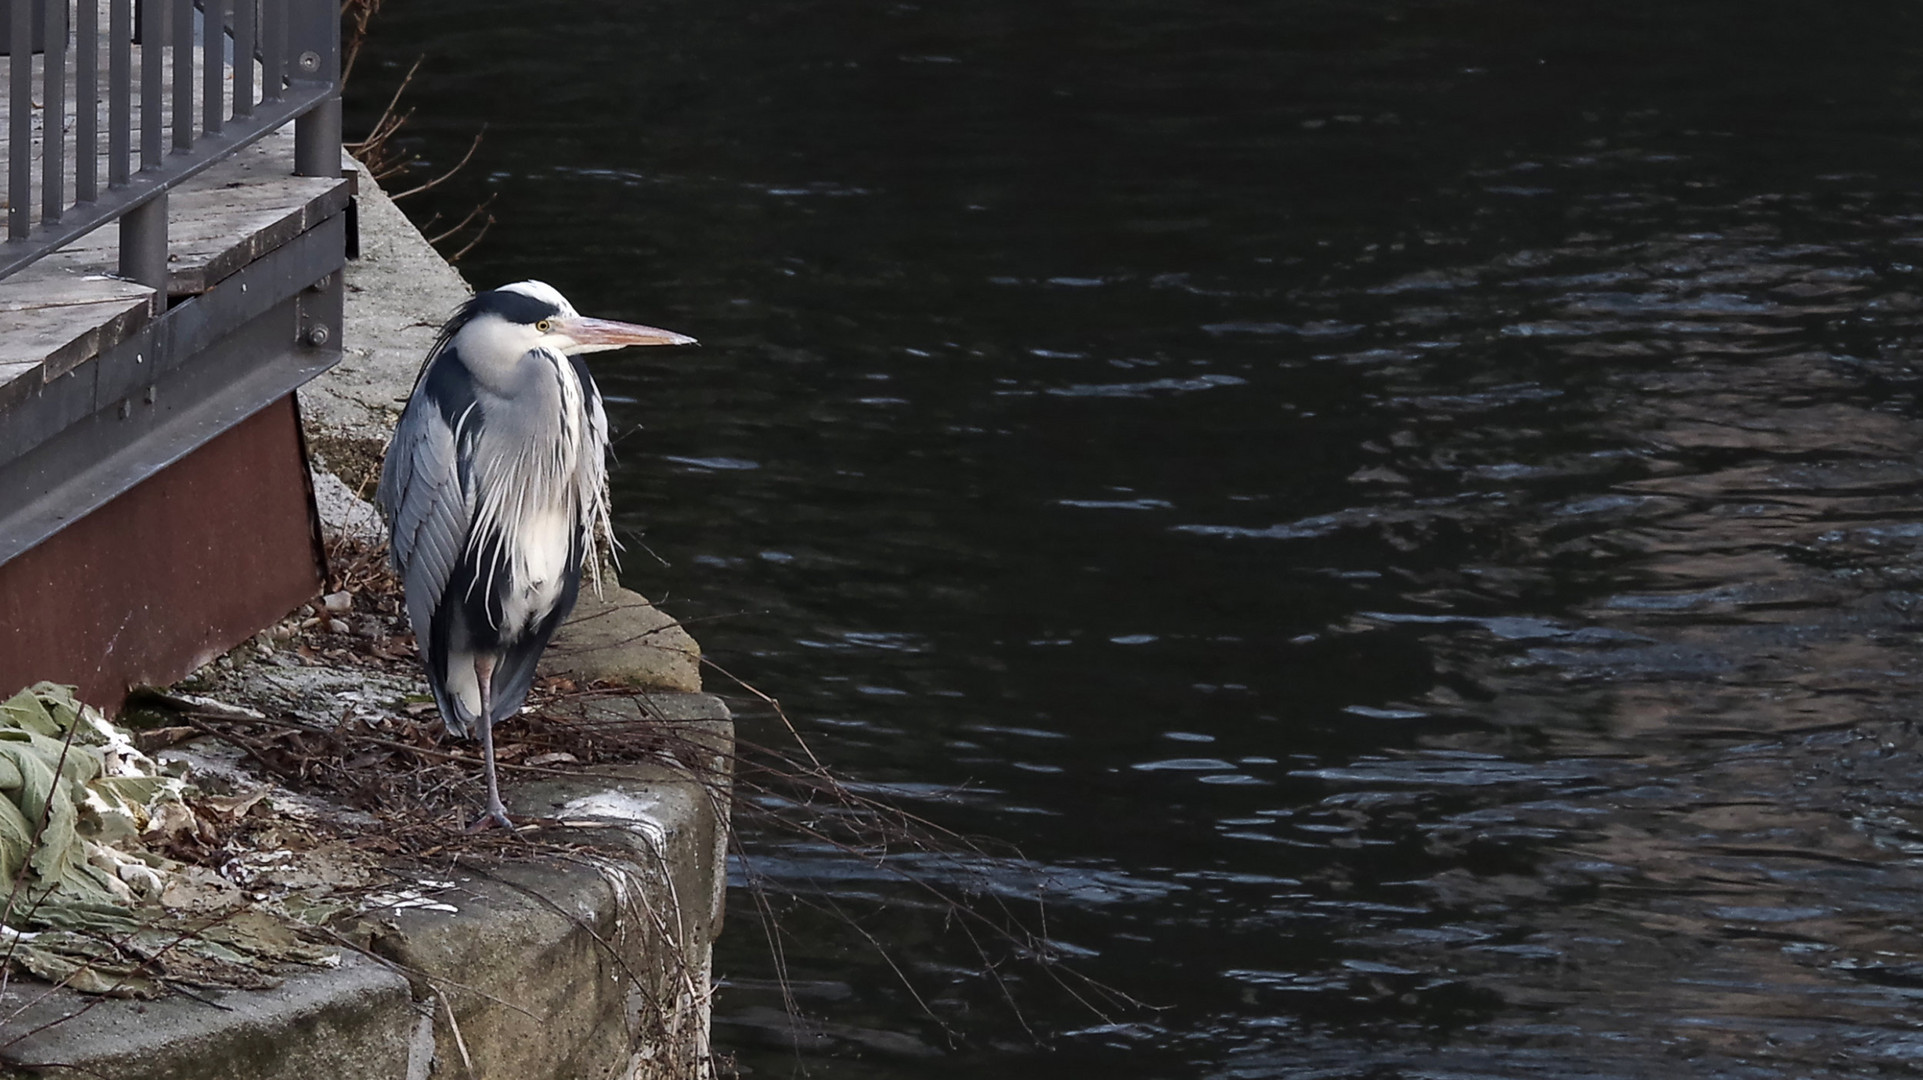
{"x": 213, "y": 66}
{"x": 86, "y": 101}
{"x": 273, "y": 48}
{"x": 143, "y": 231}
{"x": 153, "y": 118}
{"x": 20, "y": 124}
{"x": 245, "y": 42}
{"x": 313, "y": 50}
{"x": 120, "y": 92}
{"x": 53, "y": 113}
{"x": 181, "y": 50}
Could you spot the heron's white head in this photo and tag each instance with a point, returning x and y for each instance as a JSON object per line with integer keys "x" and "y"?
{"x": 504, "y": 324}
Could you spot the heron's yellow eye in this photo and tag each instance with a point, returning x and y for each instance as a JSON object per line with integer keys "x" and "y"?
{"x": 544, "y": 325}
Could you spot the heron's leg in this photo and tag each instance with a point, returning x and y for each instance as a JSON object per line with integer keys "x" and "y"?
{"x": 496, "y": 813}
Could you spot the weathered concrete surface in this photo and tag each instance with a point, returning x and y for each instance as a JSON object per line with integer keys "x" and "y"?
{"x": 359, "y": 1020}
{"x": 596, "y": 966}
{"x": 620, "y": 637}
{"x": 588, "y": 966}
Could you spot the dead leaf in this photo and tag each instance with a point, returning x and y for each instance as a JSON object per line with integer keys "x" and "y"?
{"x": 162, "y": 738}
{"x": 233, "y": 807}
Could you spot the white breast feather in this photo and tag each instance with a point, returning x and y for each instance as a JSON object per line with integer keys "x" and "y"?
{"x": 541, "y": 563}
{"x": 539, "y": 499}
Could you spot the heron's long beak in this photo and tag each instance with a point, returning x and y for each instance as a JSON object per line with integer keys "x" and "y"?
{"x": 608, "y": 334}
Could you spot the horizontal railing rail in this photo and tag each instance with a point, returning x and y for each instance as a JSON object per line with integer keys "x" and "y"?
{"x": 253, "y": 65}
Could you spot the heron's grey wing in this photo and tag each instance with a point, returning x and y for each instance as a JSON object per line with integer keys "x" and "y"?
{"x": 428, "y": 502}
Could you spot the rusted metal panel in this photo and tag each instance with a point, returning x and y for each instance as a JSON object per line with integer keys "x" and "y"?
{"x": 176, "y": 570}
{"x": 174, "y": 383}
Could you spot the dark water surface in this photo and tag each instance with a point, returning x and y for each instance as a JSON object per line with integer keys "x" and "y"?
{"x": 1405, "y": 512}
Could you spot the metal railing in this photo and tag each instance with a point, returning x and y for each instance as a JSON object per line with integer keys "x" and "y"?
{"x": 260, "y": 64}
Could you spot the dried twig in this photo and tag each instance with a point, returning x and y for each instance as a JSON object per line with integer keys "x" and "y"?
{"x": 355, "y": 15}
{"x": 451, "y": 170}
{"x": 377, "y": 150}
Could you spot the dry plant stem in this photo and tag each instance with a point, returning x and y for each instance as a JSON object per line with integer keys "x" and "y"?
{"x": 97, "y": 999}
{"x": 254, "y": 747}
{"x": 355, "y": 15}
{"x": 995, "y": 972}
{"x": 920, "y": 834}
{"x": 820, "y": 769}
{"x": 682, "y": 971}
{"x": 409, "y": 972}
{"x": 469, "y": 246}
{"x": 969, "y": 922}
{"x": 179, "y": 987}
{"x": 465, "y": 222}
{"x": 439, "y": 180}
{"x": 453, "y": 1025}
{"x": 384, "y": 163}
{"x": 373, "y": 149}
{"x": 772, "y": 932}
{"x": 82, "y": 1069}
{"x": 882, "y": 951}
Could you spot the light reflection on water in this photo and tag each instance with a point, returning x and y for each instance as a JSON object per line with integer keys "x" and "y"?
{"x": 1404, "y": 513}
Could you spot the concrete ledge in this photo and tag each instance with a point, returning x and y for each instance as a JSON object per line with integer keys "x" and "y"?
{"x": 594, "y": 966}
{"x": 589, "y": 965}
{"x": 621, "y": 638}
{"x": 357, "y": 1021}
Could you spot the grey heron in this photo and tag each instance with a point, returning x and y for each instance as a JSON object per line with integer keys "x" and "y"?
{"x": 495, "y": 493}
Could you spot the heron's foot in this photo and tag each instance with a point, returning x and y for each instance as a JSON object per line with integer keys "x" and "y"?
{"x": 496, "y": 815}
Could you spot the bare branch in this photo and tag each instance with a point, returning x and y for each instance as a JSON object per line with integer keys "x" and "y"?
{"x": 437, "y": 181}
